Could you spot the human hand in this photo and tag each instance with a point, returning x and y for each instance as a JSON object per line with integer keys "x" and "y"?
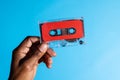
{"x": 27, "y": 56}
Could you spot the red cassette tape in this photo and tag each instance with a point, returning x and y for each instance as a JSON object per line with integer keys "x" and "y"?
{"x": 68, "y": 30}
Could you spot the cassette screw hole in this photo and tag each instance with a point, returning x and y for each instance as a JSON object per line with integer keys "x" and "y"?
{"x": 81, "y": 42}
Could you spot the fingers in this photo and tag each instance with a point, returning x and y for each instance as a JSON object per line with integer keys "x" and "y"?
{"x": 21, "y": 51}
{"x": 27, "y": 43}
{"x": 39, "y": 52}
{"x": 51, "y": 52}
{"x": 28, "y": 46}
{"x": 48, "y": 57}
{"x": 48, "y": 61}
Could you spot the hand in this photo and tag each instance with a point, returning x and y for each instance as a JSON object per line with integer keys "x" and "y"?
{"x": 27, "y": 56}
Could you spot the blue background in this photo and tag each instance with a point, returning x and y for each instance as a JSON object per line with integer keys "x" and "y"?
{"x": 97, "y": 59}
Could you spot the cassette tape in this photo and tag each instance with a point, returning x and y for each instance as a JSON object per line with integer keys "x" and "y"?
{"x": 62, "y": 33}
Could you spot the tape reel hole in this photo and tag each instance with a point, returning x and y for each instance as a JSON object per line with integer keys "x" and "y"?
{"x": 53, "y": 32}
{"x": 71, "y": 30}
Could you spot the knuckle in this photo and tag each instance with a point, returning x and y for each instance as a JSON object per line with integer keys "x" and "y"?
{"x": 28, "y": 37}
{"x": 27, "y": 67}
{"x": 38, "y": 53}
{"x": 14, "y": 52}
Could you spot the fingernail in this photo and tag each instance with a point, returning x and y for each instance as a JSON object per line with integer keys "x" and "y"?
{"x": 43, "y": 48}
{"x": 50, "y": 60}
{"x": 54, "y": 54}
{"x": 49, "y": 66}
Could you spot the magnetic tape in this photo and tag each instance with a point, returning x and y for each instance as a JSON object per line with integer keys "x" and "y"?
{"x": 62, "y": 33}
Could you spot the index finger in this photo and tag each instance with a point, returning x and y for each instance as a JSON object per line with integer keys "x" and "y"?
{"x": 27, "y": 43}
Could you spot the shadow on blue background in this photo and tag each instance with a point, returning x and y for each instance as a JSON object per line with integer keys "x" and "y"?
{"x": 98, "y": 59}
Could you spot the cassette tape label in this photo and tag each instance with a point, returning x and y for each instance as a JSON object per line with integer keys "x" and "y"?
{"x": 68, "y": 29}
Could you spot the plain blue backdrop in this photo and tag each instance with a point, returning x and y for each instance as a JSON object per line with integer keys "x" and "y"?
{"x": 97, "y": 59}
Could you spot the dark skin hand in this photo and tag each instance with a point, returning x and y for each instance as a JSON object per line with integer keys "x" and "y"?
{"x": 27, "y": 56}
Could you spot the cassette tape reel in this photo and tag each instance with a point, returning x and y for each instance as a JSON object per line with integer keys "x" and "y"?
{"x": 62, "y": 33}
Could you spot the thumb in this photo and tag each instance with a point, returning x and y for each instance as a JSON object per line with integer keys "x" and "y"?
{"x": 37, "y": 54}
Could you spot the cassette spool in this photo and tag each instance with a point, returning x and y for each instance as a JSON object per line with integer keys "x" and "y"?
{"x": 62, "y": 33}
